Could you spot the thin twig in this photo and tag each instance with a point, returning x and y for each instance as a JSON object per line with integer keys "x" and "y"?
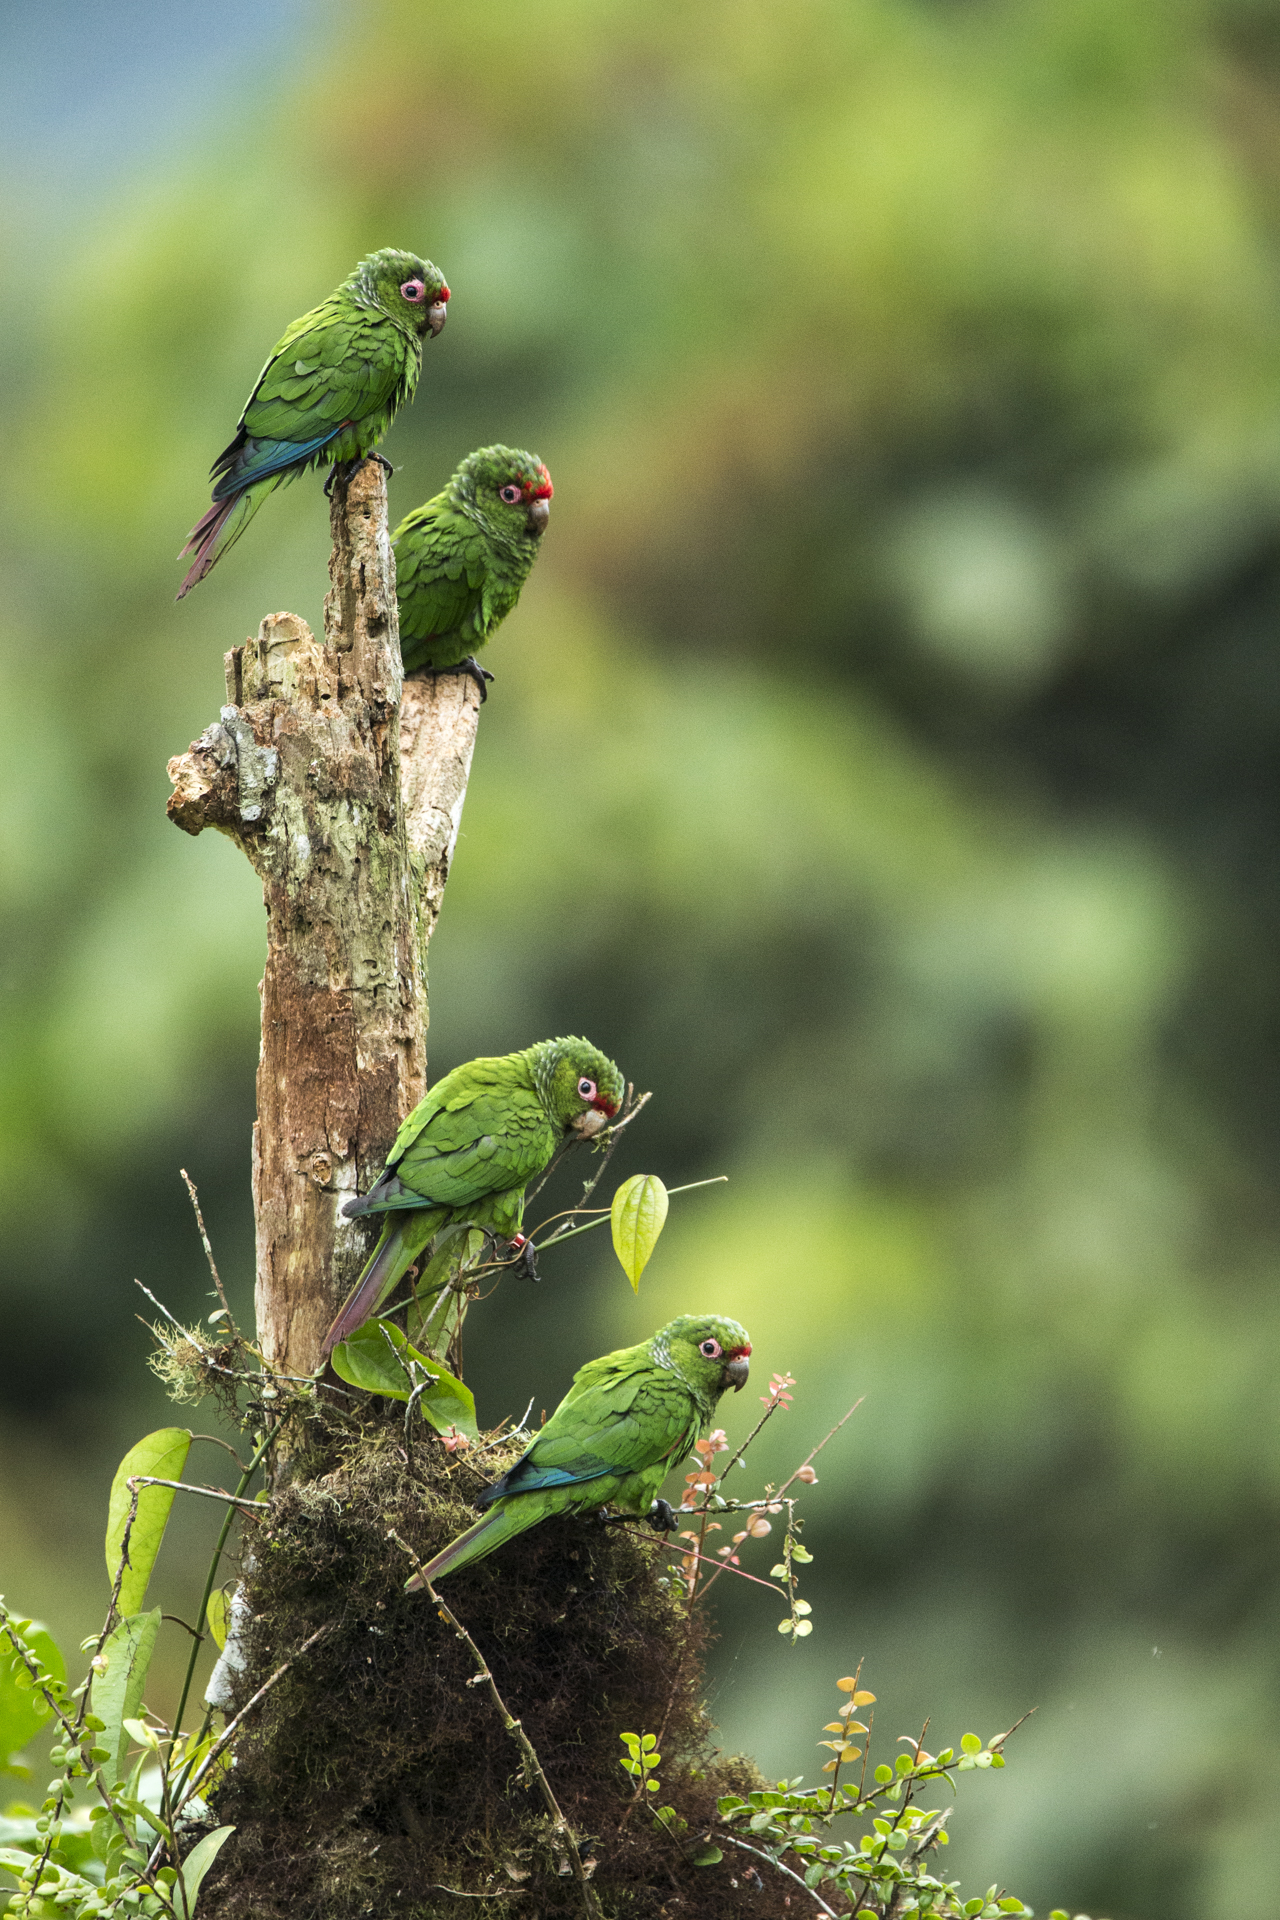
{"x": 774, "y": 1403}
{"x": 232, "y": 1727}
{"x": 603, "y": 1213}
{"x": 810, "y": 1458}
{"x": 813, "y": 1894}
{"x": 630, "y": 1110}
{"x": 214, "y": 1441}
{"x": 211, "y": 1493}
{"x": 532, "y": 1765}
{"x": 666, "y": 1540}
{"x": 208, "y": 1250}
{"x": 161, "y": 1307}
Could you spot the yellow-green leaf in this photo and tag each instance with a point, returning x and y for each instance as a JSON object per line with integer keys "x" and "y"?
{"x": 638, "y": 1215}
{"x": 161, "y": 1455}
{"x": 218, "y": 1616}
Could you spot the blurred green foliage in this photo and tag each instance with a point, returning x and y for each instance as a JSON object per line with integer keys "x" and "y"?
{"x": 881, "y": 767}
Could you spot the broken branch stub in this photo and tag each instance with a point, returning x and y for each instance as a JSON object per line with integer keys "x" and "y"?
{"x": 346, "y": 799}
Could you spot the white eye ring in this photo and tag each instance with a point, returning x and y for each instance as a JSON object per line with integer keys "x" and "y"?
{"x": 586, "y": 1089}
{"x": 711, "y": 1349}
{"x": 414, "y": 291}
{"x": 510, "y": 494}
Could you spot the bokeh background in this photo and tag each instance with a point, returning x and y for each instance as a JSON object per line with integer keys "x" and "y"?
{"x": 882, "y": 765}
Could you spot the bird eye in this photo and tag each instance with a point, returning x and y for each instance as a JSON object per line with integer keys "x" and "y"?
{"x": 414, "y": 291}
{"x": 586, "y": 1089}
{"x": 509, "y": 494}
{"x": 710, "y": 1349}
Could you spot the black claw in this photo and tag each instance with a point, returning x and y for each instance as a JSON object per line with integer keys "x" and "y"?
{"x": 382, "y": 461}
{"x": 472, "y": 667}
{"x": 662, "y": 1517}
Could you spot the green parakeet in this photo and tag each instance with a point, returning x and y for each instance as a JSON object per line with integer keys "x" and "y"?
{"x": 468, "y": 1151}
{"x": 626, "y": 1421}
{"x": 329, "y": 392}
{"x": 462, "y": 559}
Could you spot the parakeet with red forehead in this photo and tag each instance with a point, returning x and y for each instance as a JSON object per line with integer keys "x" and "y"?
{"x": 467, "y": 1152}
{"x": 626, "y": 1421}
{"x": 462, "y": 559}
{"x": 328, "y": 392}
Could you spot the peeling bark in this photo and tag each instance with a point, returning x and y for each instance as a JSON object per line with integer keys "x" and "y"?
{"x": 347, "y": 799}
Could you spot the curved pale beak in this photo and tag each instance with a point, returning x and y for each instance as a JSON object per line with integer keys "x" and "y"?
{"x": 437, "y": 314}
{"x": 587, "y": 1125}
{"x": 736, "y": 1372}
{"x": 537, "y": 515}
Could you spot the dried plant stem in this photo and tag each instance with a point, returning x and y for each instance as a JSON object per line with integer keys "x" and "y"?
{"x": 811, "y": 1457}
{"x": 232, "y": 1727}
{"x": 210, "y": 1493}
{"x": 208, "y": 1250}
{"x": 533, "y": 1768}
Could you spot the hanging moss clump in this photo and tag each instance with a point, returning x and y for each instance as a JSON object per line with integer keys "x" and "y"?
{"x": 375, "y": 1780}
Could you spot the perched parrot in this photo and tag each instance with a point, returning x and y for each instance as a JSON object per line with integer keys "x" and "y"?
{"x": 462, "y": 559}
{"x": 468, "y": 1151}
{"x": 626, "y": 1421}
{"x": 329, "y": 392}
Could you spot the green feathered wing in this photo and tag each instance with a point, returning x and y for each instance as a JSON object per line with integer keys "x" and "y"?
{"x": 466, "y": 1153}
{"x": 454, "y": 584}
{"x": 328, "y": 392}
{"x": 621, "y": 1428}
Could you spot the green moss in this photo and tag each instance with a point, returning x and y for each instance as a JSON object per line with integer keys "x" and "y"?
{"x": 374, "y": 1779}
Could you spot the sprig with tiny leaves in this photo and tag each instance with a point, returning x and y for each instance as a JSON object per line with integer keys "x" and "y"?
{"x": 884, "y": 1871}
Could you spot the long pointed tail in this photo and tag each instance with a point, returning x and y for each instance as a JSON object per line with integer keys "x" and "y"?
{"x": 403, "y": 1239}
{"x": 493, "y": 1530}
{"x": 220, "y": 526}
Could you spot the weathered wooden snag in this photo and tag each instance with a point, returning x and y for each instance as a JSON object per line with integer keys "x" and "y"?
{"x": 344, "y": 788}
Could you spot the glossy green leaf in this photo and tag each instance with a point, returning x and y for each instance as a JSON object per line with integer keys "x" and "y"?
{"x": 638, "y": 1215}
{"x": 23, "y": 1709}
{"x": 709, "y": 1857}
{"x": 163, "y": 1454}
{"x": 117, "y": 1692}
{"x": 199, "y": 1861}
{"x": 218, "y": 1617}
{"x": 379, "y": 1359}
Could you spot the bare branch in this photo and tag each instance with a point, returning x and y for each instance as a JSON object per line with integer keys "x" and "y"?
{"x": 208, "y": 1250}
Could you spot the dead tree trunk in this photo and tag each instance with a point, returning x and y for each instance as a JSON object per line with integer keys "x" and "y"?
{"x": 346, "y": 799}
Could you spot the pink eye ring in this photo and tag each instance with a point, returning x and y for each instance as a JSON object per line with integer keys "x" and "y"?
{"x": 510, "y": 494}
{"x": 414, "y": 291}
{"x": 710, "y": 1349}
{"x": 586, "y": 1089}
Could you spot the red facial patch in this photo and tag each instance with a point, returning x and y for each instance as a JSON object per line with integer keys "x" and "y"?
{"x": 606, "y": 1107}
{"x": 443, "y": 295}
{"x": 541, "y": 488}
{"x": 739, "y": 1353}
